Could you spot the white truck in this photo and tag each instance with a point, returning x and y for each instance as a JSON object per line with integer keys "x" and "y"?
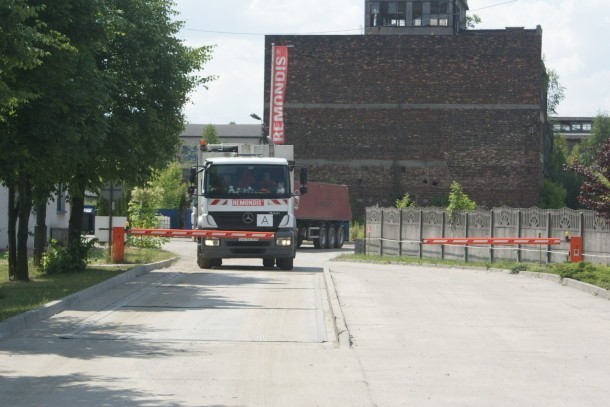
{"x": 245, "y": 197}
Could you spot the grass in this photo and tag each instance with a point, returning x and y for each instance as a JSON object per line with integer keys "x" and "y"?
{"x": 595, "y": 274}
{"x": 17, "y": 297}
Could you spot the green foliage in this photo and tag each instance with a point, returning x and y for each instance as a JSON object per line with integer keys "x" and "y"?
{"x": 404, "y": 202}
{"x": 210, "y": 134}
{"x": 142, "y": 214}
{"x": 555, "y": 92}
{"x": 552, "y": 195}
{"x": 590, "y": 147}
{"x": 170, "y": 184}
{"x": 595, "y": 189}
{"x": 458, "y": 200}
{"x": 72, "y": 259}
{"x": 471, "y": 22}
{"x": 356, "y": 231}
{"x": 569, "y": 181}
{"x": 517, "y": 268}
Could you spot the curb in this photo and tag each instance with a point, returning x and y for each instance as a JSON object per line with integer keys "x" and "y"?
{"x": 27, "y": 319}
{"x": 339, "y": 324}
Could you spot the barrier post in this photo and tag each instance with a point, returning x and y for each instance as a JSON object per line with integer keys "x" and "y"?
{"x": 576, "y": 249}
{"x": 118, "y": 245}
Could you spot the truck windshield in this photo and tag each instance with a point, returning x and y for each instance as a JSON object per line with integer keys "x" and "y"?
{"x": 250, "y": 179}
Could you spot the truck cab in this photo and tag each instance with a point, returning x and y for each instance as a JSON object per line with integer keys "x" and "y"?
{"x": 245, "y": 200}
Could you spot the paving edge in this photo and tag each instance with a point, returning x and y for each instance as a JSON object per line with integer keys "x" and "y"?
{"x": 339, "y": 324}
{"x": 14, "y": 324}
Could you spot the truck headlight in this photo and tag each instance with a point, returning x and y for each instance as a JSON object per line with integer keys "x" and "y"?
{"x": 211, "y": 241}
{"x": 283, "y": 241}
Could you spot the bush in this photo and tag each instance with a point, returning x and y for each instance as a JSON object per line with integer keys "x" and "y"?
{"x": 72, "y": 259}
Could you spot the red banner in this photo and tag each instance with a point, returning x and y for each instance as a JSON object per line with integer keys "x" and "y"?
{"x": 279, "y": 79}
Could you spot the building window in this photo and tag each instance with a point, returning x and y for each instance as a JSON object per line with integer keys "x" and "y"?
{"x": 565, "y": 127}
{"x": 61, "y": 199}
{"x": 556, "y": 127}
{"x": 418, "y": 13}
{"x": 374, "y": 14}
{"x": 439, "y": 13}
{"x": 586, "y": 126}
{"x": 576, "y": 127}
{"x": 397, "y": 13}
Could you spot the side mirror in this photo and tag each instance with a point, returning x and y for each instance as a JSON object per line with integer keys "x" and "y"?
{"x": 303, "y": 176}
{"x": 303, "y": 189}
{"x": 193, "y": 176}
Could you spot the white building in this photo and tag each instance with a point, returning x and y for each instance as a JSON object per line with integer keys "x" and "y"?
{"x": 58, "y": 217}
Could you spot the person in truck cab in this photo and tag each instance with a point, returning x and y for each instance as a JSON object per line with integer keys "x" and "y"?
{"x": 266, "y": 184}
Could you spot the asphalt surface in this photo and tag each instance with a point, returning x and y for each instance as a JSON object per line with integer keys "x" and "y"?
{"x": 242, "y": 335}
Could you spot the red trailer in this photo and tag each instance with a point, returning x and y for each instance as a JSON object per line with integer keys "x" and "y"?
{"x": 324, "y": 215}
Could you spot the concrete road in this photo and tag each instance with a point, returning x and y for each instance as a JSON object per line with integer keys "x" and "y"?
{"x": 247, "y": 336}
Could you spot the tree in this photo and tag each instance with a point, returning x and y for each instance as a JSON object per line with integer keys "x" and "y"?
{"x": 404, "y": 202}
{"x": 170, "y": 184}
{"x": 595, "y": 189}
{"x": 58, "y": 114}
{"x": 555, "y": 92}
{"x": 22, "y": 36}
{"x": 210, "y": 135}
{"x": 458, "y": 200}
{"x": 471, "y": 22}
{"x": 151, "y": 72}
{"x": 560, "y": 180}
{"x": 590, "y": 147}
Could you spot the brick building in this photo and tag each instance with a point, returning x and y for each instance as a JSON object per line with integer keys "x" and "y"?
{"x": 390, "y": 113}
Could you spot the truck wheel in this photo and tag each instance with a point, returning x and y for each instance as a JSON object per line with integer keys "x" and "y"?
{"x": 301, "y": 235}
{"x": 340, "y": 237}
{"x": 323, "y": 239}
{"x": 268, "y": 262}
{"x": 332, "y": 236}
{"x": 205, "y": 263}
{"x": 285, "y": 263}
{"x": 216, "y": 262}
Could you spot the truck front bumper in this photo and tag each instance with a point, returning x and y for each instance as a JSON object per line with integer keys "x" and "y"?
{"x": 281, "y": 245}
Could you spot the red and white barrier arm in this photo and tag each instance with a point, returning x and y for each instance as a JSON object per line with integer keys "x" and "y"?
{"x": 200, "y": 233}
{"x": 493, "y": 240}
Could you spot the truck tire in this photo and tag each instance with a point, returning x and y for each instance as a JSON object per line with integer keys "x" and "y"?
{"x": 301, "y": 235}
{"x": 322, "y": 240}
{"x": 332, "y": 236}
{"x": 286, "y": 263}
{"x": 340, "y": 237}
{"x": 216, "y": 262}
{"x": 269, "y": 262}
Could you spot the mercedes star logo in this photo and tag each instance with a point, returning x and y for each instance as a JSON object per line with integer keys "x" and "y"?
{"x": 248, "y": 218}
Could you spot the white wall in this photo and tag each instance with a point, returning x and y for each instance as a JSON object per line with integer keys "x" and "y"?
{"x": 55, "y": 219}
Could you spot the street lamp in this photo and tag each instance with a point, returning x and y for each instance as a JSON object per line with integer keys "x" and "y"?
{"x": 264, "y": 138}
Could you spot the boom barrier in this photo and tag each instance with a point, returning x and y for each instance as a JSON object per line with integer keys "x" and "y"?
{"x": 118, "y": 236}
{"x": 575, "y": 254}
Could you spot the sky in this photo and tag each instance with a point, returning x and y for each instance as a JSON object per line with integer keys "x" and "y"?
{"x": 575, "y": 43}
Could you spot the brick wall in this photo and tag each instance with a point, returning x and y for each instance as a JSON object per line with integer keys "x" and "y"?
{"x": 393, "y": 114}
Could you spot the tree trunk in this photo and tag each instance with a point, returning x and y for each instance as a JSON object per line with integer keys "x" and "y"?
{"x": 13, "y": 208}
{"x": 40, "y": 233}
{"x": 25, "y": 208}
{"x": 77, "y": 207}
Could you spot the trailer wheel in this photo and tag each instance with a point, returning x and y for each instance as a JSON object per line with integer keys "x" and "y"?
{"x": 286, "y": 263}
{"x": 332, "y": 236}
{"x": 323, "y": 237}
{"x": 268, "y": 262}
{"x": 340, "y": 237}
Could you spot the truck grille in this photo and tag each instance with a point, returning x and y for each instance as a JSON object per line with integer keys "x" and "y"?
{"x": 237, "y": 220}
